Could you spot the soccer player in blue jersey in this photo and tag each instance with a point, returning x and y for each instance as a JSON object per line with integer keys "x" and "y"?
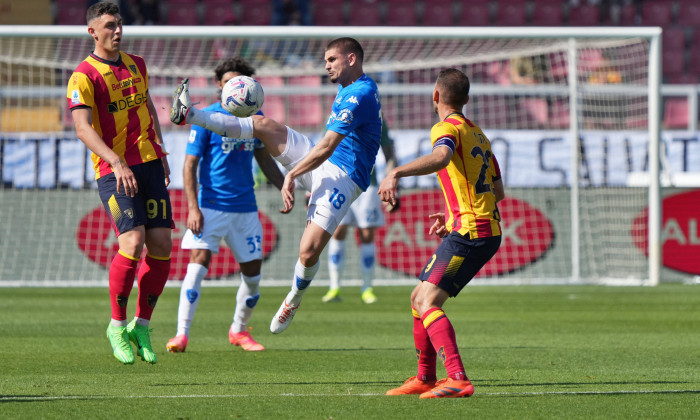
{"x": 335, "y": 170}
{"x": 225, "y": 208}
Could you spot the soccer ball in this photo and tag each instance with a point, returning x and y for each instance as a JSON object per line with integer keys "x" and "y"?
{"x": 242, "y": 96}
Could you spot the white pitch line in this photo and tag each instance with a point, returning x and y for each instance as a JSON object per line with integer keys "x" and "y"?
{"x": 480, "y": 394}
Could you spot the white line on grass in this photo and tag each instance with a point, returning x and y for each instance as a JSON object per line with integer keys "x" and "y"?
{"x": 480, "y": 394}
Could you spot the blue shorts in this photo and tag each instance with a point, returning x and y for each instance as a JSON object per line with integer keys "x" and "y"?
{"x": 457, "y": 260}
{"x": 150, "y": 207}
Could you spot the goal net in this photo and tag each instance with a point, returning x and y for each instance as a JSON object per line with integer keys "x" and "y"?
{"x": 572, "y": 114}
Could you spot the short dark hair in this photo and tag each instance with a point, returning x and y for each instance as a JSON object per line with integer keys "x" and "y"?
{"x": 454, "y": 87}
{"x": 236, "y": 65}
{"x": 348, "y": 45}
{"x": 101, "y": 8}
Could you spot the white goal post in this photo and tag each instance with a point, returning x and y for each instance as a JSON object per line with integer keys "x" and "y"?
{"x": 567, "y": 139}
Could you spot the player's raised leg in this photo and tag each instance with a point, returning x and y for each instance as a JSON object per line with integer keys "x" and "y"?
{"x": 271, "y": 133}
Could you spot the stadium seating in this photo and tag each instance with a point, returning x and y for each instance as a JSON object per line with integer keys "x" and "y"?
{"x": 71, "y": 15}
{"x": 364, "y": 14}
{"x": 273, "y": 106}
{"x": 676, "y": 113}
{"x": 679, "y": 18}
{"x": 255, "y": 12}
{"x": 475, "y": 15}
{"x": 656, "y": 13}
{"x": 584, "y": 15}
{"x": 694, "y": 64}
{"x": 688, "y": 13}
{"x": 328, "y": 13}
{"x": 628, "y": 15}
{"x": 400, "y": 13}
{"x": 673, "y": 39}
{"x": 219, "y": 14}
{"x": 511, "y": 13}
{"x": 440, "y": 13}
{"x": 547, "y": 13}
{"x": 305, "y": 111}
{"x": 673, "y": 62}
{"x": 181, "y": 16}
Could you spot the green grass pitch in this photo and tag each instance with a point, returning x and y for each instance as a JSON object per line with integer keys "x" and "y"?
{"x": 555, "y": 352}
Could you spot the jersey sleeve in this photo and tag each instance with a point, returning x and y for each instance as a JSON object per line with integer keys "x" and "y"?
{"x": 81, "y": 91}
{"x": 350, "y": 113}
{"x": 197, "y": 141}
{"x": 444, "y": 134}
{"x": 496, "y": 168}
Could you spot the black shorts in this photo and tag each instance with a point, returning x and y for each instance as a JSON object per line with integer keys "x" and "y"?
{"x": 457, "y": 260}
{"x": 150, "y": 207}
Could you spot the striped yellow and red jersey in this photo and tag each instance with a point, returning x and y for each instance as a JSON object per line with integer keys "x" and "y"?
{"x": 467, "y": 181}
{"x": 117, "y": 93}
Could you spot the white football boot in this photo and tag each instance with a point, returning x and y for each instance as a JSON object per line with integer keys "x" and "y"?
{"x": 283, "y": 317}
{"x": 181, "y": 103}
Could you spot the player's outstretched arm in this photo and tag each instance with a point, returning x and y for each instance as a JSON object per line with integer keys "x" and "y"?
{"x": 424, "y": 165}
{"x": 318, "y": 154}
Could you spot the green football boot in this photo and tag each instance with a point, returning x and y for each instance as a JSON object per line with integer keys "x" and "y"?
{"x": 119, "y": 339}
{"x": 368, "y": 296}
{"x": 333, "y": 295}
{"x": 141, "y": 336}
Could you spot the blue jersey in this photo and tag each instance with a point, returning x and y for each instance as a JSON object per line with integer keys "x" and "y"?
{"x": 356, "y": 113}
{"x": 225, "y": 168}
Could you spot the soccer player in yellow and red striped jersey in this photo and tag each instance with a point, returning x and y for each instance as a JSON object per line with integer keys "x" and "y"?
{"x": 470, "y": 227}
{"x": 114, "y": 116}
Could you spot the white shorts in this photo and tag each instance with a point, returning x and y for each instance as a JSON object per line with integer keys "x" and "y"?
{"x": 332, "y": 190}
{"x": 366, "y": 211}
{"x": 241, "y": 231}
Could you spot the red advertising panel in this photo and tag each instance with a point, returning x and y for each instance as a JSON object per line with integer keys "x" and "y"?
{"x": 97, "y": 241}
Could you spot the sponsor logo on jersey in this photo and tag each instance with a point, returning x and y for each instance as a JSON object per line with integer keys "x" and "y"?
{"x": 126, "y": 103}
{"x": 126, "y": 83}
{"x": 353, "y": 100}
{"x": 345, "y": 115}
{"x": 229, "y": 145}
{"x": 680, "y": 232}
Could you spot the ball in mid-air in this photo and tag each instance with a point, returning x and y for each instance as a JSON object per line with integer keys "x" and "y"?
{"x": 242, "y": 96}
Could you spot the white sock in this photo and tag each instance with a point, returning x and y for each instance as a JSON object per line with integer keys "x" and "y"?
{"x": 143, "y": 321}
{"x": 367, "y": 265}
{"x": 222, "y": 124}
{"x": 189, "y": 297}
{"x": 302, "y": 280}
{"x": 118, "y": 323}
{"x": 336, "y": 261}
{"x": 246, "y": 299}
